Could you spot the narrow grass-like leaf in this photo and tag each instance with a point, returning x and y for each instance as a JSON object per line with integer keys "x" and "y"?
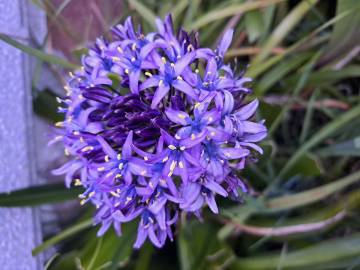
{"x": 51, "y": 59}
{"x": 63, "y": 235}
{"x": 37, "y": 195}
{"x": 146, "y": 13}
{"x": 315, "y": 254}
{"x": 347, "y": 148}
{"x": 291, "y": 229}
{"x": 310, "y": 196}
{"x": 256, "y": 70}
{"x": 230, "y": 10}
{"x": 323, "y": 133}
{"x": 296, "y": 90}
{"x": 284, "y": 28}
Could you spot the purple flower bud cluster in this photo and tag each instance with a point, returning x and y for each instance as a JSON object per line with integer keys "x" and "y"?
{"x": 155, "y": 126}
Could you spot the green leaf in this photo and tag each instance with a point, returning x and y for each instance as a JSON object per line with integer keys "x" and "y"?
{"x": 310, "y": 196}
{"x": 254, "y": 24}
{"x": 308, "y": 165}
{"x": 51, "y": 59}
{"x": 316, "y": 254}
{"x": 114, "y": 250}
{"x": 195, "y": 242}
{"x": 37, "y": 195}
{"x": 346, "y": 33}
{"x": 45, "y": 105}
{"x": 323, "y": 133}
{"x": 146, "y": 13}
{"x": 347, "y": 148}
{"x": 62, "y": 236}
{"x": 283, "y": 29}
{"x": 230, "y": 10}
{"x": 279, "y": 72}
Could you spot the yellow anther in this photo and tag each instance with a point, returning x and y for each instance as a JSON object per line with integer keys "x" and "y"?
{"x": 163, "y": 59}
{"x": 87, "y": 148}
{"x": 133, "y": 47}
{"x": 77, "y": 182}
{"x": 179, "y": 78}
{"x": 190, "y": 47}
{"x": 197, "y": 104}
{"x": 181, "y": 116}
{"x": 66, "y": 152}
{"x": 114, "y": 194}
{"x": 118, "y": 175}
{"x": 146, "y": 158}
{"x": 115, "y": 59}
{"x": 173, "y": 165}
{"x": 133, "y": 59}
{"x": 172, "y": 65}
{"x": 100, "y": 169}
{"x": 193, "y": 137}
{"x": 147, "y": 73}
{"x": 172, "y": 147}
{"x": 106, "y": 158}
{"x": 181, "y": 165}
{"x": 82, "y": 202}
{"x": 120, "y": 50}
{"x": 170, "y": 173}
{"x": 165, "y": 159}
{"x": 91, "y": 194}
{"x": 127, "y": 71}
{"x": 121, "y": 165}
{"x": 118, "y": 156}
{"x": 182, "y": 148}
{"x": 59, "y": 124}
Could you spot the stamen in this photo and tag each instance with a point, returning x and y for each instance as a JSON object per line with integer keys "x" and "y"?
{"x": 163, "y": 59}
{"x": 147, "y": 73}
{"x": 100, "y": 169}
{"x": 114, "y": 194}
{"x": 172, "y": 147}
{"x": 165, "y": 159}
{"x": 182, "y": 148}
{"x": 106, "y": 158}
{"x": 87, "y": 148}
{"x": 161, "y": 82}
{"x": 118, "y": 156}
{"x": 193, "y": 137}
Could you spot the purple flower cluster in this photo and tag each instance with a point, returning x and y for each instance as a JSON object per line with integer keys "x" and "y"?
{"x": 155, "y": 126}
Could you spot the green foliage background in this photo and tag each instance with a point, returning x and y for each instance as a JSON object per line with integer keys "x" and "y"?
{"x": 303, "y": 209}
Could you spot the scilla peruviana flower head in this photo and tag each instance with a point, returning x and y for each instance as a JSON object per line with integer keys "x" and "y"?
{"x": 156, "y": 125}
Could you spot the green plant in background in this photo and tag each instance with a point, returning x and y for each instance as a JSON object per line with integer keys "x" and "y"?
{"x": 302, "y": 211}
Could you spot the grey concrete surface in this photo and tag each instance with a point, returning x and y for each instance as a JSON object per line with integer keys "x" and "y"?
{"x": 19, "y": 227}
